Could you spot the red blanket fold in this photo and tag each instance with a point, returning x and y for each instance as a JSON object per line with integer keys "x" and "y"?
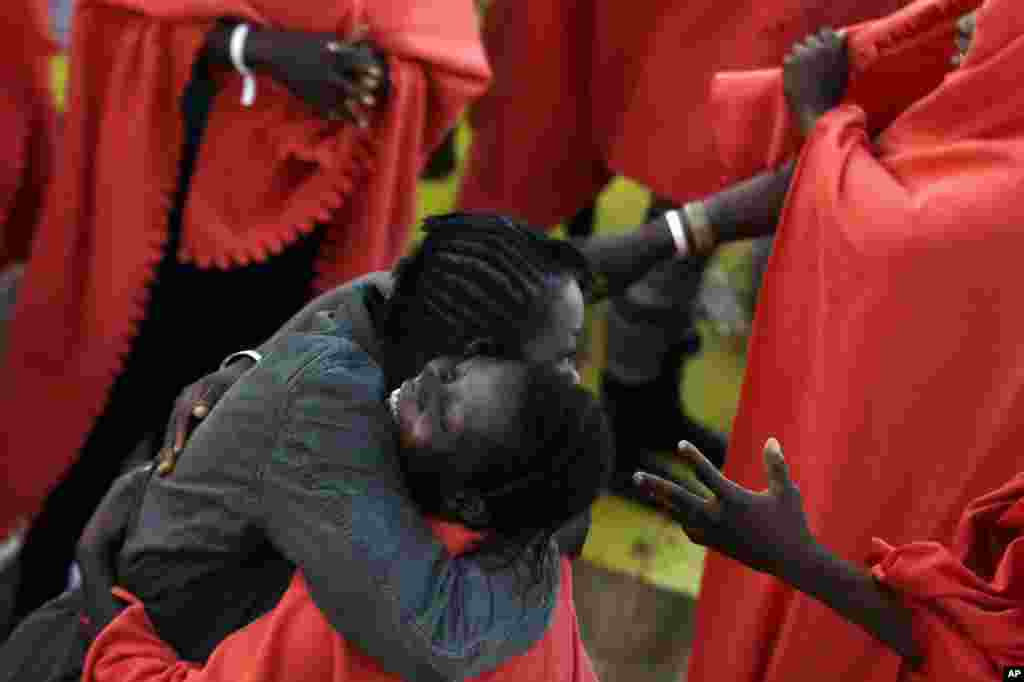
{"x": 888, "y": 347}
{"x": 295, "y": 642}
{"x": 584, "y": 90}
{"x": 265, "y": 176}
{"x": 967, "y": 599}
{"x": 28, "y": 122}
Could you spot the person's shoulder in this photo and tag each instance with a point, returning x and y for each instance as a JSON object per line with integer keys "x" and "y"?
{"x": 383, "y": 282}
{"x": 314, "y": 357}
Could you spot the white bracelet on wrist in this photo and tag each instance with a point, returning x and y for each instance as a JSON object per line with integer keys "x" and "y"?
{"x": 256, "y": 356}
{"x": 236, "y": 49}
{"x": 675, "y": 226}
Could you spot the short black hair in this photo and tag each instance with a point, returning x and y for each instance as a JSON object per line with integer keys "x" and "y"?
{"x": 478, "y": 277}
{"x": 561, "y": 461}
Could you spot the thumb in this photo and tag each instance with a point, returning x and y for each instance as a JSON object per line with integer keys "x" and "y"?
{"x": 776, "y": 468}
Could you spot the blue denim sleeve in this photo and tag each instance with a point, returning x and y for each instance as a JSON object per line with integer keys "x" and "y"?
{"x": 335, "y": 505}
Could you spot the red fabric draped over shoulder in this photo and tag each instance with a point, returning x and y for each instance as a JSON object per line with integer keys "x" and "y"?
{"x": 585, "y": 90}
{"x": 888, "y": 347}
{"x": 265, "y": 176}
{"x": 28, "y": 120}
{"x": 295, "y": 642}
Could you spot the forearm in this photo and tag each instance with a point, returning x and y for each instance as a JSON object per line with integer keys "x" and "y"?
{"x": 751, "y": 208}
{"x": 855, "y": 595}
{"x": 619, "y": 260}
{"x": 746, "y": 210}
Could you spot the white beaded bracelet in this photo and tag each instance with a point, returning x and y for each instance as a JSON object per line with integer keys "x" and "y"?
{"x": 236, "y": 49}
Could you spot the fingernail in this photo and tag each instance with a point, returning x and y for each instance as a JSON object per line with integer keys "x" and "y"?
{"x": 641, "y": 479}
{"x": 374, "y": 71}
{"x": 200, "y": 411}
{"x": 685, "y": 445}
{"x": 773, "y": 444}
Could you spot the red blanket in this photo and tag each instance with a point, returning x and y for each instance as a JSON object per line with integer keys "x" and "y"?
{"x": 967, "y": 599}
{"x": 265, "y": 176}
{"x": 584, "y": 90}
{"x": 888, "y": 349}
{"x": 295, "y": 642}
{"x": 28, "y": 120}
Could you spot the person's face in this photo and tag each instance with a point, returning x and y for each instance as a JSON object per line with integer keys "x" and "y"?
{"x": 450, "y": 400}
{"x": 964, "y": 36}
{"x": 558, "y": 342}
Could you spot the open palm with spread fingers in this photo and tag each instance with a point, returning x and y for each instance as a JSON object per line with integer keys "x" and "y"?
{"x": 764, "y": 530}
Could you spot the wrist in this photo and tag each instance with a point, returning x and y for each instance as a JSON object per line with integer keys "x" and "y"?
{"x": 259, "y": 47}
{"x": 803, "y": 567}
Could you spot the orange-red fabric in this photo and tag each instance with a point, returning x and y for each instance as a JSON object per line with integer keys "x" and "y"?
{"x": 28, "y": 120}
{"x": 295, "y": 642}
{"x": 265, "y": 176}
{"x": 583, "y": 90}
{"x": 888, "y": 349}
{"x": 968, "y": 597}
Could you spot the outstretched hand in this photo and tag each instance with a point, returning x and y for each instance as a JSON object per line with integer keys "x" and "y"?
{"x": 765, "y": 531}
{"x": 815, "y": 74}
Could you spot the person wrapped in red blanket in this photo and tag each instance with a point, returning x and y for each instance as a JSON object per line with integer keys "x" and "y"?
{"x": 29, "y": 122}
{"x": 954, "y": 610}
{"x": 887, "y": 345}
{"x": 182, "y": 205}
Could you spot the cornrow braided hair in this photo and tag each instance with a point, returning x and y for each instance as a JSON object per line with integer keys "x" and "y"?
{"x": 479, "y": 276}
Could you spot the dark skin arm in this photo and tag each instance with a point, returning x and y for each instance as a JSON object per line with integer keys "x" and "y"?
{"x": 768, "y": 532}
{"x": 102, "y": 540}
{"x": 338, "y": 79}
